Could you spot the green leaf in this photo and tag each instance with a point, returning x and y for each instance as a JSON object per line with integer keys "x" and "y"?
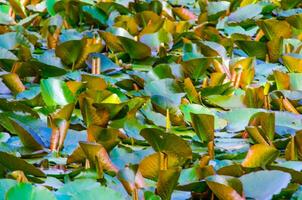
{"x": 29, "y": 137}
{"x": 68, "y": 54}
{"x": 150, "y": 22}
{"x": 27, "y": 191}
{"x": 87, "y": 189}
{"x": 6, "y": 19}
{"x": 104, "y": 192}
{"x": 50, "y": 6}
{"x": 295, "y": 21}
{"x": 5, "y": 185}
{"x": 154, "y": 40}
{"x": 162, "y": 141}
{"x": 161, "y": 71}
{"x": 55, "y": 92}
{"x": 167, "y": 181}
{"x": 191, "y": 91}
{"x": 238, "y": 119}
{"x": 225, "y": 187}
{"x": 14, "y": 163}
{"x": 187, "y": 109}
{"x": 246, "y": 12}
{"x": 274, "y": 28}
{"x": 264, "y": 184}
{"x": 90, "y": 114}
{"x": 196, "y": 67}
{"x": 112, "y": 41}
{"x": 260, "y": 155}
{"x": 293, "y": 62}
{"x": 17, "y": 106}
{"x": 298, "y": 194}
{"x": 291, "y": 167}
{"x": 190, "y": 175}
{"x": 108, "y": 137}
{"x": 214, "y": 7}
{"x": 18, "y": 7}
{"x": 150, "y": 195}
{"x": 282, "y": 80}
{"x": 203, "y": 125}
{"x": 170, "y": 91}
{"x": 4, "y": 137}
{"x": 73, "y": 53}
{"x": 226, "y": 101}
{"x": 295, "y": 81}
{"x": 136, "y": 50}
{"x": 253, "y": 48}
{"x": 96, "y": 13}
{"x": 97, "y": 156}
{"x": 288, "y": 120}
{"x": 256, "y": 136}
{"x": 183, "y": 13}
{"x": 288, "y": 4}
{"x": 11, "y": 40}
{"x": 265, "y": 121}
{"x": 6, "y": 54}
{"x": 150, "y": 165}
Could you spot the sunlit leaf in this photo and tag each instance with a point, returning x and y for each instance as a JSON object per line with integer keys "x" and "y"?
{"x": 167, "y": 180}
{"x": 259, "y": 155}
{"x": 225, "y": 187}
{"x": 29, "y": 192}
{"x": 55, "y": 92}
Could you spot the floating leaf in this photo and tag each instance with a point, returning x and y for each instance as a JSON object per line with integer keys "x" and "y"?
{"x": 270, "y": 182}
{"x": 5, "y": 185}
{"x": 30, "y": 192}
{"x": 87, "y": 188}
{"x": 246, "y": 12}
